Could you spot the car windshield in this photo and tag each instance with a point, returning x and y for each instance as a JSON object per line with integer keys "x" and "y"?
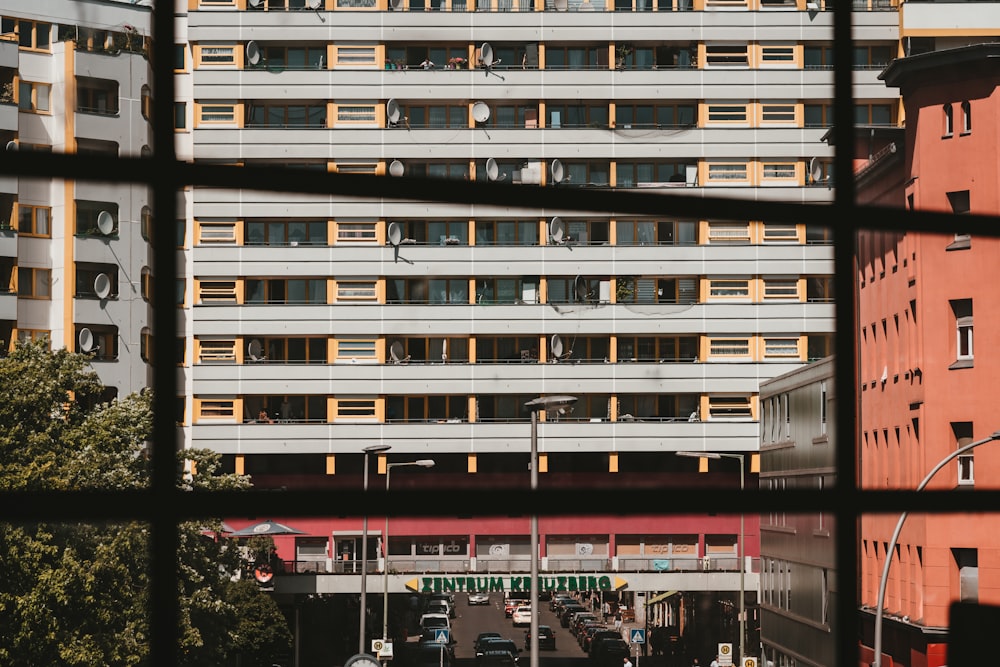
{"x": 434, "y": 622}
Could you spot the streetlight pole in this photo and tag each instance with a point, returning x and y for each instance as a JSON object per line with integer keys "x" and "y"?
{"x": 740, "y": 551}
{"x": 364, "y": 552}
{"x": 423, "y": 463}
{"x": 877, "y": 662}
{"x": 536, "y": 404}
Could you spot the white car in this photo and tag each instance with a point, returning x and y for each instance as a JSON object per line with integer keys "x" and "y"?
{"x": 435, "y": 620}
{"x": 479, "y": 598}
{"x": 521, "y": 616}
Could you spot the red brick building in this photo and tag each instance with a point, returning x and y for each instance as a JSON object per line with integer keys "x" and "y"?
{"x": 928, "y": 320}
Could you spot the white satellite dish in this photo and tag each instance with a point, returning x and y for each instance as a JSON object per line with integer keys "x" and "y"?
{"x": 395, "y": 168}
{"x": 493, "y": 170}
{"x": 557, "y": 345}
{"x": 105, "y": 222}
{"x": 86, "y": 340}
{"x": 253, "y": 53}
{"x": 395, "y": 4}
{"x": 558, "y": 172}
{"x": 395, "y": 234}
{"x": 255, "y": 349}
{"x": 486, "y": 54}
{"x": 557, "y": 229}
{"x": 480, "y": 112}
{"x": 396, "y": 350}
{"x": 815, "y": 170}
{"x": 102, "y": 285}
{"x": 580, "y": 287}
{"x": 315, "y": 4}
{"x": 256, "y": 3}
{"x": 12, "y": 145}
{"x": 392, "y": 111}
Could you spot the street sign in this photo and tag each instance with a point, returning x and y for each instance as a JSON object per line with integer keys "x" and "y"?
{"x": 725, "y": 654}
{"x": 382, "y": 648}
{"x": 749, "y": 662}
{"x": 441, "y": 635}
{"x": 637, "y": 636}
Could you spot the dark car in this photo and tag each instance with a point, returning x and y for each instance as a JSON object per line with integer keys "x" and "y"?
{"x": 427, "y": 654}
{"x": 489, "y": 644}
{"x": 578, "y": 621}
{"x": 567, "y": 613}
{"x": 609, "y": 652}
{"x": 483, "y": 637}
{"x": 492, "y": 657}
{"x": 589, "y": 642}
{"x": 546, "y": 638}
{"x": 587, "y": 631}
{"x": 558, "y": 600}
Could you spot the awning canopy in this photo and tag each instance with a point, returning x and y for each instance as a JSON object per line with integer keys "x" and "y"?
{"x": 660, "y": 596}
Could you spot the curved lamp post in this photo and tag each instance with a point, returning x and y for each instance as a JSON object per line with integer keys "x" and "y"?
{"x": 877, "y": 662}
{"x": 743, "y": 611}
{"x": 374, "y": 449}
{"x": 536, "y": 405}
{"x": 422, "y": 463}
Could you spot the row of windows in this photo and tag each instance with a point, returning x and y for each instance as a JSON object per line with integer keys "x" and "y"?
{"x": 291, "y": 408}
{"x": 510, "y": 349}
{"x": 513, "y": 290}
{"x": 530, "y": 115}
{"x": 619, "y": 232}
{"x": 540, "y": 5}
{"x": 534, "y": 55}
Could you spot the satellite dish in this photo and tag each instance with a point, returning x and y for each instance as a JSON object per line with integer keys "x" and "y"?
{"x": 12, "y": 145}
{"x": 253, "y": 53}
{"x": 395, "y": 4}
{"x": 561, "y": 5}
{"x": 557, "y": 229}
{"x": 396, "y": 350}
{"x": 557, "y": 345}
{"x": 580, "y": 287}
{"x": 480, "y": 112}
{"x": 492, "y": 170}
{"x": 256, "y": 3}
{"x": 815, "y": 170}
{"x": 486, "y": 54}
{"x": 102, "y": 285}
{"x": 255, "y": 349}
{"x": 392, "y": 111}
{"x": 558, "y": 172}
{"x": 86, "y": 339}
{"x": 105, "y": 222}
{"x": 395, "y": 234}
{"x": 395, "y": 168}
{"x": 315, "y": 4}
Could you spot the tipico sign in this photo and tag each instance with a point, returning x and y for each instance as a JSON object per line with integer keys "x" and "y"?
{"x": 512, "y": 584}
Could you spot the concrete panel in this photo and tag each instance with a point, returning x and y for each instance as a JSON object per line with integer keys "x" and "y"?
{"x": 8, "y": 242}
{"x": 8, "y": 306}
{"x": 8, "y": 117}
{"x": 8, "y": 54}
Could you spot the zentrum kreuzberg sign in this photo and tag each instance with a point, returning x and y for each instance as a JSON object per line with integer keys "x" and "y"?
{"x": 512, "y": 584}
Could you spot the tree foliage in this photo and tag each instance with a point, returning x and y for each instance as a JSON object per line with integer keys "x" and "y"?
{"x": 78, "y": 594}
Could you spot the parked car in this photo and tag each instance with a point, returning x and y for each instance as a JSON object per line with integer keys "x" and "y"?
{"x": 427, "y": 654}
{"x": 609, "y": 652}
{"x": 607, "y": 633}
{"x": 479, "y": 598}
{"x": 435, "y": 620}
{"x": 521, "y": 616}
{"x": 546, "y": 638}
{"x": 578, "y": 619}
{"x": 510, "y": 604}
{"x": 484, "y": 637}
{"x": 587, "y": 630}
{"x": 440, "y": 607}
{"x": 566, "y": 614}
{"x": 560, "y": 599}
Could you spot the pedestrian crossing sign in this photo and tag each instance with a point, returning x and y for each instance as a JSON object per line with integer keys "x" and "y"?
{"x": 637, "y": 636}
{"x": 441, "y": 636}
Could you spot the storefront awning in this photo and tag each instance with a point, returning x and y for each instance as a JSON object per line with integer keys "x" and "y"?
{"x": 660, "y": 596}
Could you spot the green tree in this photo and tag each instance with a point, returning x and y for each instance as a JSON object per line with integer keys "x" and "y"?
{"x": 79, "y": 594}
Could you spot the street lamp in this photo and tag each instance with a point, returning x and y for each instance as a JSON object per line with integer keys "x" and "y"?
{"x": 536, "y": 404}
{"x": 364, "y": 550}
{"x": 743, "y": 611}
{"x": 895, "y": 538}
{"x": 423, "y": 463}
